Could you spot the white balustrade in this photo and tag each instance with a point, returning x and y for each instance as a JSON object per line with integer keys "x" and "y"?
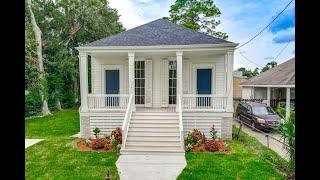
{"x": 202, "y": 102}
{"x": 108, "y": 101}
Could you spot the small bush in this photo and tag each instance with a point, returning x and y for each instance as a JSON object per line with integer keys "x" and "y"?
{"x": 213, "y": 145}
{"x": 32, "y": 104}
{"x": 213, "y": 132}
{"x": 99, "y": 143}
{"x": 195, "y": 137}
{"x": 117, "y": 135}
{"x": 96, "y": 132}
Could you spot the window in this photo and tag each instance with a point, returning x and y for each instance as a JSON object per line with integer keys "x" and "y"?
{"x": 172, "y": 82}
{"x": 262, "y": 110}
{"x": 139, "y": 79}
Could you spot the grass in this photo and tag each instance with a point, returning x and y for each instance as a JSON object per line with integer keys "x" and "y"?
{"x": 263, "y": 152}
{"x": 61, "y": 124}
{"x": 57, "y": 158}
{"x": 242, "y": 163}
{"x": 249, "y": 160}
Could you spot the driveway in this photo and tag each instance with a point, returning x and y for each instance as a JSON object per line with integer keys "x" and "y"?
{"x": 273, "y": 144}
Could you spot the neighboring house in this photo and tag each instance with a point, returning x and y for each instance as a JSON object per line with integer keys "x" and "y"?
{"x": 237, "y": 80}
{"x": 276, "y": 83}
{"x": 237, "y": 89}
{"x": 157, "y": 81}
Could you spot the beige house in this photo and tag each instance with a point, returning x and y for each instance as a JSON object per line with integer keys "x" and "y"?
{"x": 157, "y": 81}
{"x": 238, "y": 79}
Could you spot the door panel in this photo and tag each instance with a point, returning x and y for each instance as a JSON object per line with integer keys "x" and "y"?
{"x": 204, "y": 80}
{"x": 112, "y": 87}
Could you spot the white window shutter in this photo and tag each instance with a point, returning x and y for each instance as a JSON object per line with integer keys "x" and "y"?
{"x": 148, "y": 83}
{"x": 164, "y": 83}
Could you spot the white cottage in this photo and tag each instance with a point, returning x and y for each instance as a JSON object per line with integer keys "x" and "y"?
{"x": 157, "y": 81}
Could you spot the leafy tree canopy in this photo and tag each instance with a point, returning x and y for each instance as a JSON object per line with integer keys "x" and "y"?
{"x": 200, "y": 15}
{"x": 268, "y": 66}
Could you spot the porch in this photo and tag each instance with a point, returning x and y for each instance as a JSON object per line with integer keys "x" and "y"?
{"x": 155, "y": 78}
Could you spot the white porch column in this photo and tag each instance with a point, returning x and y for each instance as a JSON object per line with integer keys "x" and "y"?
{"x": 131, "y": 77}
{"x": 179, "y": 73}
{"x": 83, "y": 71}
{"x": 268, "y": 95}
{"x": 288, "y": 103}
{"x": 229, "y": 82}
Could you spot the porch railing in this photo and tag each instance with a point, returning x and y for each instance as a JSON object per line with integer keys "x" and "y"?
{"x": 179, "y": 109}
{"x": 108, "y": 101}
{"x": 202, "y": 102}
{"x": 126, "y": 122}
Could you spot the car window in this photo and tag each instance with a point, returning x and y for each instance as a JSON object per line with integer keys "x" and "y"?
{"x": 262, "y": 110}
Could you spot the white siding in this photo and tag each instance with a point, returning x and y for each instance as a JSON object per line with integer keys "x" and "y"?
{"x": 98, "y": 77}
{"x": 202, "y": 122}
{"x": 106, "y": 122}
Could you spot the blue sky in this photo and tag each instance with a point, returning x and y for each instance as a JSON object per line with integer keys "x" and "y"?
{"x": 240, "y": 19}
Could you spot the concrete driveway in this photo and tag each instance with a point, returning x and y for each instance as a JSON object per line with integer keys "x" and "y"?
{"x": 273, "y": 144}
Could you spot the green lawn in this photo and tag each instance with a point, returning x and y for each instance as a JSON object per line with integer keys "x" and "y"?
{"x": 249, "y": 160}
{"x": 242, "y": 163}
{"x": 56, "y": 157}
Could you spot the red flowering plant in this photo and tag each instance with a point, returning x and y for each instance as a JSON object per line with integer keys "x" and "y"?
{"x": 213, "y": 132}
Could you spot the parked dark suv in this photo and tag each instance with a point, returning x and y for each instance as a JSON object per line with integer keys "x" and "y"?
{"x": 258, "y": 115}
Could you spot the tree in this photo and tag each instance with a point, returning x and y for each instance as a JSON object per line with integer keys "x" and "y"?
{"x": 64, "y": 25}
{"x": 268, "y": 66}
{"x": 248, "y": 72}
{"x": 199, "y": 15}
{"x": 43, "y": 83}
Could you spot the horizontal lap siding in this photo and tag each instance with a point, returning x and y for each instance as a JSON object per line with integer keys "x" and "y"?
{"x": 97, "y": 74}
{"x": 106, "y": 123}
{"x": 202, "y": 121}
{"x": 219, "y": 73}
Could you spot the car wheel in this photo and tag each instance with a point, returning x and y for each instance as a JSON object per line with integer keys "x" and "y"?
{"x": 253, "y": 125}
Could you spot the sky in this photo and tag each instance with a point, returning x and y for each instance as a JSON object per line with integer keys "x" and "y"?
{"x": 240, "y": 19}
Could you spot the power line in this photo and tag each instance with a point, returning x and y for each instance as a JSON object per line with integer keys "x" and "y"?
{"x": 260, "y": 32}
{"x": 249, "y": 60}
{"x": 275, "y": 59}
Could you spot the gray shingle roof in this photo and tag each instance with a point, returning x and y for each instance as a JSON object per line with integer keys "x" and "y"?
{"x": 158, "y": 32}
{"x": 283, "y": 74}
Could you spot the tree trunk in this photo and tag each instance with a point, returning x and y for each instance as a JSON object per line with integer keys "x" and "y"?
{"x": 44, "y": 108}
{"x": 58, "y": 105}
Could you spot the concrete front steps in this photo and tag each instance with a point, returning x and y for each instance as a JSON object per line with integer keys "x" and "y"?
{"x": 153, "y": 133}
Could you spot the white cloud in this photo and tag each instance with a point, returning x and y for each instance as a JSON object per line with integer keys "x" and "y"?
{"x": 136, "y": 13}
{"x": 240, "y": 20}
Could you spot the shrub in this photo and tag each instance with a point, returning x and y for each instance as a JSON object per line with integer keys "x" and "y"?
{"x": 287, "y": 133}
{"x": 213, "y": 132}
{"x": 96, "y": 132}
{"x": 99, "y": 143}
{"x": 32, "y": 105}
{"x": 195, "y": 137}
{"x": 115, "y": 143}
{"x": 213, "y": 145}
{"x": 117, "y": 135}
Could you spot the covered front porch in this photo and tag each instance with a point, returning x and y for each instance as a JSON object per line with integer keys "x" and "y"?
{"x": 152, "y": 80}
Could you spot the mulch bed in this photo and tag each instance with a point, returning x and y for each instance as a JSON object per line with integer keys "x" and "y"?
{"x": 211, "y": 145}
{"x": 98, "y": 144}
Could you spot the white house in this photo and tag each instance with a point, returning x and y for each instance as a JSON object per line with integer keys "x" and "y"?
{"x": 157, "y": 81}
{"x": 275, "y": 83}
